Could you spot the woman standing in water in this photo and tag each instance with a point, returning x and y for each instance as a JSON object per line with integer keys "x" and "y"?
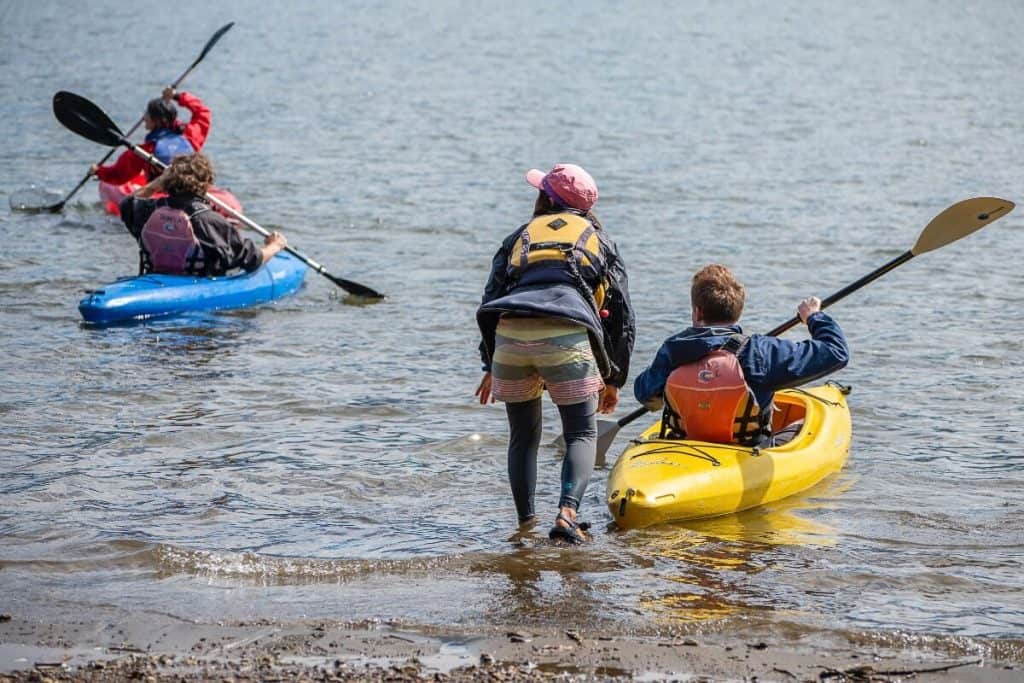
{"x": 556, "y": 314}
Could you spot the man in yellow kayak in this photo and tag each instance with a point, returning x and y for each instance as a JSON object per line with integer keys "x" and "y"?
{"x": 717, "y": 384}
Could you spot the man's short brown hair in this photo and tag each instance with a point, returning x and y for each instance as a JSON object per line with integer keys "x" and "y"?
{"x": 718, "y": 294}
{"x": 188, "y": 174}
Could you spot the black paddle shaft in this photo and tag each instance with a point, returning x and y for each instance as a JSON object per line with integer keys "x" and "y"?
{"x": 639, "y": 412}
{"x": 849, "y": 289}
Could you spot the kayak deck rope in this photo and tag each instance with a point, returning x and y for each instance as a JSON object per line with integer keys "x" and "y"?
{"x": 843, "y": 389}
{"x": 677, "y": 446}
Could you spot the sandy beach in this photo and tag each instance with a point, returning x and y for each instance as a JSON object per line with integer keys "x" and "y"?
{"x": 164, "y": 649}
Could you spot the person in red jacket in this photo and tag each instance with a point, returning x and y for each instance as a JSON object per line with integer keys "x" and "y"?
{"x": 167, "y": 138}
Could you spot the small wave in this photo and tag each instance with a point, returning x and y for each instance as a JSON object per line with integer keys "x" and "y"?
{"x": 1010, "y": 649}
{"x": 286, "y": 570}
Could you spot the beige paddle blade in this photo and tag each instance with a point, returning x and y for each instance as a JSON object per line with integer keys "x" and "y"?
{"x": 606, "y": 431}
{"x": 960, "y": 220}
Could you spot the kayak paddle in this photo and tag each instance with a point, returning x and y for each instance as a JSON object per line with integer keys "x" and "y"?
{"x": 84, "y": 118}
{"x": 955, "y": 222}
{"x": 33, "y": 200}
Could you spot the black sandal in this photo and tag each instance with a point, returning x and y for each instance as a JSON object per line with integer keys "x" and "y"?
{"x": 571, "y": 534}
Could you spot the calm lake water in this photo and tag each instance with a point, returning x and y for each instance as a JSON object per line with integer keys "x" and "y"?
{"x": 316, "y": 459}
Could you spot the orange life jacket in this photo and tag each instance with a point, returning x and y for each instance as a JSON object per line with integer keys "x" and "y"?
{"x": 709, "y": 400}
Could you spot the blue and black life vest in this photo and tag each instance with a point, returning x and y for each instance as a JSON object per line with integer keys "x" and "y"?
{"x": 169, "y": 144}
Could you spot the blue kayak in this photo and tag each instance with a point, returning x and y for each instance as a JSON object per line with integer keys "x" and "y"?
{"x": 152, "y": 296}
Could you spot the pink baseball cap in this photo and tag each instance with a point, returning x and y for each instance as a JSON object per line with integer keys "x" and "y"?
{"x": 566, "y": 184}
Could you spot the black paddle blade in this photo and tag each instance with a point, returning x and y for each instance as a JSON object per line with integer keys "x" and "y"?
{"x": 354, "y": 288}
{"x": 213, "y": 41}
{"x": 84, "y": 118}
{"x": 36, "y": 200}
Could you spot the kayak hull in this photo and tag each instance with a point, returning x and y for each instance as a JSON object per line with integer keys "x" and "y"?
{"x": 662, "y": 480}
{"x": 156, "y": 296}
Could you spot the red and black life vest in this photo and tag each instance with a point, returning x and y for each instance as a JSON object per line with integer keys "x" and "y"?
{"x": 709, "y": 400}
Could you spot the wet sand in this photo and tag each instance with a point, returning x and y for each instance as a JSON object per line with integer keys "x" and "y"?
{"x": 158, "y": 648}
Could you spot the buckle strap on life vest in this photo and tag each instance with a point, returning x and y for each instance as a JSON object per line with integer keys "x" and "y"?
{"x": 734, "y": 343}
{"x": 196, "y": 259}
{"x": 750, "y": 427}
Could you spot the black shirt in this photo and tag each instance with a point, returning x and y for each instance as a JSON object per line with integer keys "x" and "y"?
{"x": 224, "y": 249}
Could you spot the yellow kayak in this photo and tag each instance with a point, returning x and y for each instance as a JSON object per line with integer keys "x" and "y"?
{"x": 660, "y": 480}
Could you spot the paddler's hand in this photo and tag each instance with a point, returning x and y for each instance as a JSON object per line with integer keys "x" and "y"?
{"x": 274, "y": 243}
{"x": 94, "y": 169}
{"x": 608, "y": 400}
{"x": 168, "y": 93}
{"x": 276, "y": 239}
{"x": 808, "y": 307}
{"x": 484, "y": 390}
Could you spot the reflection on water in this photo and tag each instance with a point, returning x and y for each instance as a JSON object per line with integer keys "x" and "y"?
{"x": 314, "y": 458}
{"x": 706, "y": 557}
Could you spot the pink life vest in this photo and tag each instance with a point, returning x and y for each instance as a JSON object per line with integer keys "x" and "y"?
{"x": 710, "y": 401}
{"x": 169, "y": 240}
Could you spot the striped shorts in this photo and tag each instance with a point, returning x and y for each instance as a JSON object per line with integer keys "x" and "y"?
{"x": 531, "y": 353}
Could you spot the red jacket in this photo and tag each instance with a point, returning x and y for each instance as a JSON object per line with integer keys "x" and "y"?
{"x": 129, "y": 166}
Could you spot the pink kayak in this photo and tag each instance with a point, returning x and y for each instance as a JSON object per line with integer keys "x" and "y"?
{"x": 111, "y": 196}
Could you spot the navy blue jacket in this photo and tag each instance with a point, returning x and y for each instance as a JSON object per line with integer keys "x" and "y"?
{"x": 768, "y": 363}
{"x": 611, "y": 338}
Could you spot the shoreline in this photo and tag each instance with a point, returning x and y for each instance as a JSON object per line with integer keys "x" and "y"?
{"x": 160, "y": 647}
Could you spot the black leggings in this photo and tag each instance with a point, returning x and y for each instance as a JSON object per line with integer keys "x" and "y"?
{"x": 579, "y": 425}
